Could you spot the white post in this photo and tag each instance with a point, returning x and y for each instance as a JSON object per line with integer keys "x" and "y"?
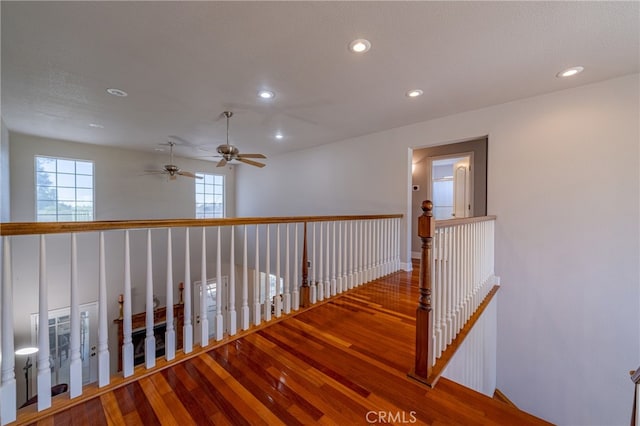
{"x": 350, "y": 255}
{"x": 8, "y": 377}
{"x": 245, "y": 284}
{"x": 313, "y": 296}
{"x": 44, "y": 370}
{"x": 233, "y": 320}
{"x": 187, "y": 334}
{"x": 170, "y": 333}
{"x": 287, "y": 266}
{"x": 219, "y": 290}
{"x": 75, "y": 367}
{"x": 150, "y": 339}
{"x": 127, "y": 342}
{"x": 327, "y": 278}
{"x": 334, "y": 282}
{"x": 267, "y": 279}
{"x": 278, "y": 299}
{"x": 320, "y": 287}
{"x": 296, "y": 272}
{"x": 204, "y": 321}
{"x": 104, "y": 371}
{"x": 257, "y": 317}
{"x": 340, "y": 273}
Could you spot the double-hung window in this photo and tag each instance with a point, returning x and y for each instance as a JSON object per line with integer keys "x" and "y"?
{"x": 209, "y": 196}
{"x": 64, "y": 190}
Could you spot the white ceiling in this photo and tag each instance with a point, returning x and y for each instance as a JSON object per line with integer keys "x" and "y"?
{"x": 183, "y": 63}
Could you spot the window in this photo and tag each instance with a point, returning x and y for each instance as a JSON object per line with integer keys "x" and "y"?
{"x": 64, "y": 190}
{"x": 209, "y": 196}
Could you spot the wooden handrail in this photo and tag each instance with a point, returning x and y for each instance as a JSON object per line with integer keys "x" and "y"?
{"x": 38, "y": 228}
{"x": 424, "y": 313}
{"x": 463, "y": 220}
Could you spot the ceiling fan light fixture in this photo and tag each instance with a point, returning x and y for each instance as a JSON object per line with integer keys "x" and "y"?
{"x": 360, "y": 45}
{"x": 570, "y": 72}
{"x": 266, "y": 94}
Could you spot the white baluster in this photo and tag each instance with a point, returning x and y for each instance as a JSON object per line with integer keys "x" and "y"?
{"x": 150, "y": 338}
{"x": 314, "y": 266}
{"x": 257, "y": 318}
{"x": 219, "y": 290}
{"x": 75, "y": 366}
{"x": 450, "y": 287}
{"x": 327, "y": 278}
{"x": 334, "y": 282}
{"x": 351, "y": 278}
{"x": 287, "y": 266}
{"x": 359, "y": 257}
{"x": 170, "y": 333}
{"x": 104, "y": 370}
{"x": 233, "y": 326}
{"x": 187, "y": 335}
{"x": 376, "y": 248}
{"x": 367, "y": 251}
{"x": 340, "y": 270}
{"x": 127, "y": 342}
{"x": 245, "y": 284}
{"x": 204, "y": 293}
{"x": 267, "y": 279}
{"x": 44, "y": 371}
{"x": 278, "y": 297}
{"x": 320, "y": 287}
{"x": 296, "y": 294}
{"x": 8, "y": 376}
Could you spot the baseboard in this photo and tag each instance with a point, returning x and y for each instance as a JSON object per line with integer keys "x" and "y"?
{"x": 497, "y": 394}
{"x": 406, "y": 266}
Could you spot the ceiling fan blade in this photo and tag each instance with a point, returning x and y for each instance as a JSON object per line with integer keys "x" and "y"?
{"x": 253, "y": 163}
{"x": 221, "y": 163}
{"x": 251, "y": 156}
{"x": 189, "y": 174}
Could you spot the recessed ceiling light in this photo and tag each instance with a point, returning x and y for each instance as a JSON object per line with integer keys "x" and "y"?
{"x": 279, "y": 135}
{"x": 570, "y": 72}
{"x": 360, "y": 45}
{"x": 414, "y": 93}
{"x": 266, "y": 94}
{"x": 96, "y": 126}
{"x": 117, "y": 92}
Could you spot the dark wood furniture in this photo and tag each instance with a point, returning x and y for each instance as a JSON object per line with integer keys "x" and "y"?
{"x": 138, "y": 322}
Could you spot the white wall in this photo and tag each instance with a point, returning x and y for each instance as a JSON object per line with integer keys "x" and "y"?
{"x": 563, "y": 180}
{"x": 5, "y": 201}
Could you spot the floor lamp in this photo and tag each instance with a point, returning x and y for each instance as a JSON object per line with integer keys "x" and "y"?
{"x": 27, "y": 367}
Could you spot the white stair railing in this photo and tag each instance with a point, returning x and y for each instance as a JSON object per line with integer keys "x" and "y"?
{"x": 347, "y": 251}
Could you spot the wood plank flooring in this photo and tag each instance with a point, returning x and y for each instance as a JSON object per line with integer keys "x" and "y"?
{"x": 341, "y": 363}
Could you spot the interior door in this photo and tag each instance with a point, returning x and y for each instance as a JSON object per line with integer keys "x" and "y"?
{"x": 462, "y": 206}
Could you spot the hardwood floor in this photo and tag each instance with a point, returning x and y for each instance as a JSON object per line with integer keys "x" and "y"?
{"x": 343, "y": 362}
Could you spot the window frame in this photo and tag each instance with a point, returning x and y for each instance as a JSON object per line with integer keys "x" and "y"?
{"x": 201, "y": 182}
{"x": 56, "y": 187}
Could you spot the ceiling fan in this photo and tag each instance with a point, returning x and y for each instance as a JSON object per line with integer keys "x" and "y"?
{"x": 229, "y": 152}
{"x": 171, "y": 169}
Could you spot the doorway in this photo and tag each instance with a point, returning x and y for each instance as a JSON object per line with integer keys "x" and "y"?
{"x": 450, "y": 186}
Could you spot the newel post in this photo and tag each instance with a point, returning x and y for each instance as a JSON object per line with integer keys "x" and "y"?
{"x": 424, "y": 313}
{"x": 305, "y": 299}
